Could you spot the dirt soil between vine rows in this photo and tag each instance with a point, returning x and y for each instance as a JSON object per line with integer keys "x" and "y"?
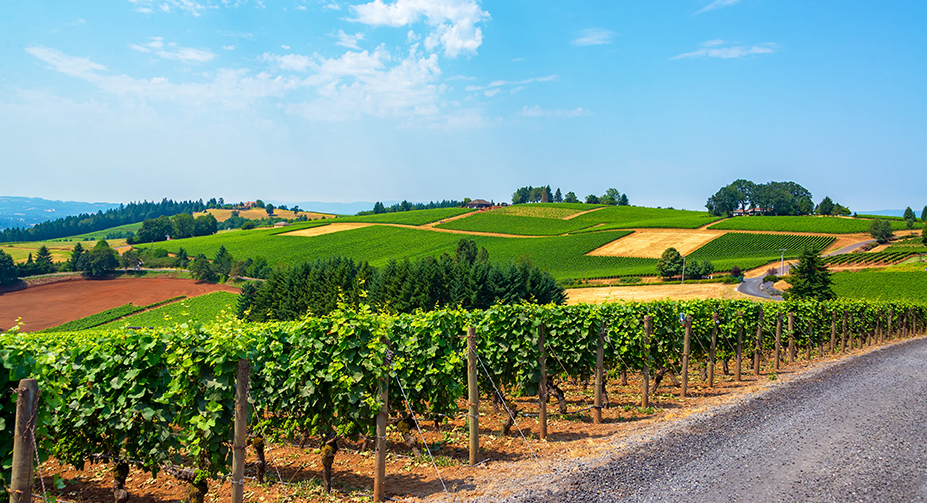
{"x": 46, "y": 306}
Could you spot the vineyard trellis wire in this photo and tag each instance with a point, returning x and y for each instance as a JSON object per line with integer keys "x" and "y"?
{"x": 167, "y": 395}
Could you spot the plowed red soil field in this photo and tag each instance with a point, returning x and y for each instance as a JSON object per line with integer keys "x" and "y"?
{"x": 46, "y": 306}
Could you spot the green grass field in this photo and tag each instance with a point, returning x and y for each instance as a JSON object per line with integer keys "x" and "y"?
{"x": 881, "y": 285}
{"x": 825, "y": 225}
{"x": 416, "y": 217}
{"x": 202, "y": 309}
{"x": 547, "y": 219}
{"x": 563, "y": 256}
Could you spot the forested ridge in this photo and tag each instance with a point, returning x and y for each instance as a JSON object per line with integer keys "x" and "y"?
{"x": 90, "y": 222}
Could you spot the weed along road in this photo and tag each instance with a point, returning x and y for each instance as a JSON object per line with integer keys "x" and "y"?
{"x": 849, "y": 431}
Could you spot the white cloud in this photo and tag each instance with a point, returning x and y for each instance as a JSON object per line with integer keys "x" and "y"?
{"x": 349, "y": 41}
{"x": 333, "y": 6}
{"x": 492, "y": 92}
{"x": 593, "y": 36}
{"x": 285, "y": 47}
{"x": 452, "y": 22}
{"x": 536, "y": 111}
{"x": 229, "y": 88}
{"x": 727, "y": 50}
{"x": 293, "y": 62}
{"x": 228, "y": 47}
{"x": 188, "y": 6}
{"x": 301, "y": 7}
{"x": 171, "y": 51}
{"x": 717, "y": 4}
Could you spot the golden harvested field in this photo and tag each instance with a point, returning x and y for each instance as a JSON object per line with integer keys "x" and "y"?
{"x": 650, "y": 243}
{"x": 646, "y": 293}
{"x": 60, "y": 250}
{"x": 259, "y": 213}
{"x": 530, "y": 210}
{"x": 326, "y": 229}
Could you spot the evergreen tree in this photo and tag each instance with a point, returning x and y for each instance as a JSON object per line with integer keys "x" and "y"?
{"x": 570, "y": 197}
{"x": 623, "y": 201}
{"x": 9, "y": 273}
{"x": 924, "y": 215}
{"x": 43, "y": 261}
{"x": 810, "y": 278}
{"x": 74, "y": 261}
{"x": 558, "y": 198}
{"x": 201, "y": 269}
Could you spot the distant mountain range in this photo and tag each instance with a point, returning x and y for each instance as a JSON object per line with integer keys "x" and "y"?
{"x": 28, "y": 211}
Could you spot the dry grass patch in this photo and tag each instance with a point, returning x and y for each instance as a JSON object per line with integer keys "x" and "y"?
{"x": 647, "y": 293}
{"x": 650, "y": 243}
{"x": 326, "y": 229}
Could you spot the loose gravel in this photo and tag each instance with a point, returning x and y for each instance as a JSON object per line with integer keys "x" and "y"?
{"x": 851, "y": 430}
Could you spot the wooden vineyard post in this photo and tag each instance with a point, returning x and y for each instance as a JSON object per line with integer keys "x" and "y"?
{"x": 23, "y": 441}
{"x": 711, "y": 351}
{"x": 242, "y": 383}
{"x": 759, "y": 345}
{"x": 778, "y": 348}
{"x": 891, "y": 315}
{"x": 473, "y": 397}
{"x": 685, "y": 356}
{"x": 843, "y": 344}
{"x": 878, "y": 327}
{"x": 648, "y": 329}
{"x": 850, "y": 333}
{"x": 379, "y": 473}
{"x": 740, "y": 345}
{"x": 791, "y": 338}
{"x": 542, "y": 386}
{"x": 833, "y": 332}
{"x": 810, "y": 339}
{"x": 599, "y": 374}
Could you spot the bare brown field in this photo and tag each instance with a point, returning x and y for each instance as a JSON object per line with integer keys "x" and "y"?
{"x": 650, "y": 243}
{"x": 326, "y": 229}
{"x": 50, "y": 305}
{"x": 650, "y": 292}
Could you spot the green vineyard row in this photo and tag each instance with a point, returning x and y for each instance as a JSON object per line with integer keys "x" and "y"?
{"x": 167, "y": 395}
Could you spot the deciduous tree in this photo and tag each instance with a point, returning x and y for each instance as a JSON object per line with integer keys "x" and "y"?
{"x": 670, "y": 263}
{"x": 881, "y": 230}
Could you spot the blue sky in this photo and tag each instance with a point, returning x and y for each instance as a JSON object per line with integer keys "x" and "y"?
{"x": 334, "y": 100}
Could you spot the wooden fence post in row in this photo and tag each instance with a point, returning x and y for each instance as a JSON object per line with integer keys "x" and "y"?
{"x": 599, "y": 371}
{"x": 833, "y": 332}
{"x": 379, "y": 473}
{"x": 242, "y": 383}
{"x": 23, "y": 440}
{"x": 740, "y": 345}
{"x": 648, "y": 328}
{"x": 759, "y": 345}
{"x": 778, "y": 348}
{"x": 542, "y": 386}
{"x": 685, "y": 356}
{"x": 473, "y": 397}
{"x": 711, "y": 350}
{"x": 843, "y": 345}
{"x": 791, "y": 338}
{"x": 891, "y": 314}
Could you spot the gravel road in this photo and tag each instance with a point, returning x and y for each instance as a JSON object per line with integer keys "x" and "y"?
{"x": 854, "y": 430}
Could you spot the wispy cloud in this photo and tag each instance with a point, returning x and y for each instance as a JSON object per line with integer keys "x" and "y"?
{"x": 593, "y": 36}
{"x": 728, "y": 50}
{"x": 453, "y": 23}
{"x": 496, "y": 84}
{"x": 189, "y": 6}
{"x": 717, "y": 4}
{"x": 536, "y": 111}
{"x": 349, "y": 41}
{"x": 172, "y": 51}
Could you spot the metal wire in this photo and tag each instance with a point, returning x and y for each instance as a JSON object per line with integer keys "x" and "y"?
{"x": 505, "y": 405}
{"x": 420, "y": 434}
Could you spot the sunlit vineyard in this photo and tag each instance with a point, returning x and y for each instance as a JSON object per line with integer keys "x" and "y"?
{"x": 825, "y": 225}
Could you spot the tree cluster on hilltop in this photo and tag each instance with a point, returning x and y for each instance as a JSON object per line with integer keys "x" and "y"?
{"x": 773, "y": 198}
{"x": 531, "y": 194}
{"x": 465, "y": 279}
{"x": 81, "y": 224}
{"x": 179, "y": 226}
{"x": 379, "y": 207}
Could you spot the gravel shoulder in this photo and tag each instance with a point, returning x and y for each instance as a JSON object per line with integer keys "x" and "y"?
{"x": 844, "y": 430}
